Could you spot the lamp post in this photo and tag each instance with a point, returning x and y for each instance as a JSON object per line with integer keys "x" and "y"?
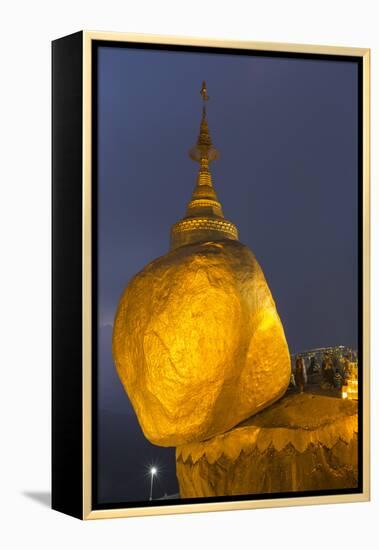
{"x": 153, "y": 471}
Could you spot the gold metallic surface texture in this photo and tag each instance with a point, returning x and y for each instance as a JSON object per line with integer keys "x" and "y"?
{"x": 204, "y": 219}
{"x": 303, "y": 442}
{"x": 198, "y": 343}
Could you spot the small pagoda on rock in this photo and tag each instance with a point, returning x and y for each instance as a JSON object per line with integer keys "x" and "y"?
{"x": 204, "y": 219}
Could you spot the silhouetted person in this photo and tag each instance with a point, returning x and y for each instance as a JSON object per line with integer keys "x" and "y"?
{"x": 328, "y": 370}
{"x": 300, "y": 373}
{"x": 313, "y": 366}
{"x": 346, "y": 369}
{"x": 314, "y": 376}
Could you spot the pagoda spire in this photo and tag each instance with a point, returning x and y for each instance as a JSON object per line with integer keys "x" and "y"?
{"x": 204, "y": 219}
{"x": 204, "y": 153}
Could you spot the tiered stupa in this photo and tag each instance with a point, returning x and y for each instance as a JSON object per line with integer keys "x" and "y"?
{"x": 204, "y": 219}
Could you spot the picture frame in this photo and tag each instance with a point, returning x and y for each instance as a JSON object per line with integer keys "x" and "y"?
{"x": 75, "y": 207}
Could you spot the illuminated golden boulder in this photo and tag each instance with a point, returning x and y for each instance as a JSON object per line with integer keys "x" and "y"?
{"x": 301, "y": 443}
{"x": 198, "y": 343}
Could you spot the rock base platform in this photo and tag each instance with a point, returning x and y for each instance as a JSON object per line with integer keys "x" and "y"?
{"x": 303, "y": 442}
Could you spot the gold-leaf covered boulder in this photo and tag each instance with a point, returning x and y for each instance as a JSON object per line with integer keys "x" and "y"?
{"x": 198, "y": 343}
{"x": 303, "y": 442}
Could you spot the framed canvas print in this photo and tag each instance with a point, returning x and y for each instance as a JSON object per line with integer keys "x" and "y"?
{"x": 210, "y": 275}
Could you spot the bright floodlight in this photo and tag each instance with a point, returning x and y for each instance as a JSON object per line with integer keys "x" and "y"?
{"x": 153, "y": 471}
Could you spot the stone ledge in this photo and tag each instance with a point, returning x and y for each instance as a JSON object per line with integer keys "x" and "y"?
{"x": 303, "y": 442}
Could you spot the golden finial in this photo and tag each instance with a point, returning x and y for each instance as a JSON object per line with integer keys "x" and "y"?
{"x": 203, "y": 92}
{"x": 204, "y": 148}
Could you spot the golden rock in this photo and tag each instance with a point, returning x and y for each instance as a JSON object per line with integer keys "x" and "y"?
{"x": 198, "y": 343}
{"x": 303, "y": 442}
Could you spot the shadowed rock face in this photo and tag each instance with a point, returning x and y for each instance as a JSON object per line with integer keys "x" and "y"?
{"x": 198, "y": 343}
{"x": 301, "y": 443}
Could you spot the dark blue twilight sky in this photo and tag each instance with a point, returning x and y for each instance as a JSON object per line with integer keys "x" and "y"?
{"x": 287, "y": 131}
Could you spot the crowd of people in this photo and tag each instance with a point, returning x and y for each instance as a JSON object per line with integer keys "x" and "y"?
{"x": 329, "y": 370}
